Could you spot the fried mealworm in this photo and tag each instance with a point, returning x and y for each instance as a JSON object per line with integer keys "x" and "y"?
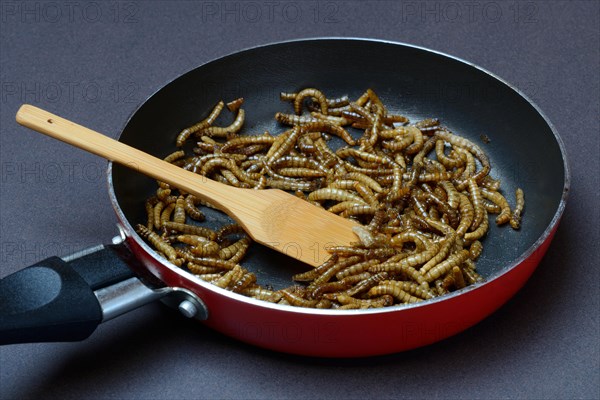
{"x": 499, "y": 200}
{"x": 393, "y": 291}
{"x": 419, "y": 194}
{"x": 185, "y": 134}
{"x": 315, "y": 94}
{"x": 446, "y": 265}
{"x": 515, "y": 219}
{"x": 236, "y": 125}
{"x": 157, "y": 242}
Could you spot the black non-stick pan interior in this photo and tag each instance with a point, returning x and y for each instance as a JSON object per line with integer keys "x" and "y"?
{"x": 415, "y": 82}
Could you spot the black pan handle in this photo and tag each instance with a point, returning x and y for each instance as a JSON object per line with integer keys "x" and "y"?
{"x": 55, "y": 300}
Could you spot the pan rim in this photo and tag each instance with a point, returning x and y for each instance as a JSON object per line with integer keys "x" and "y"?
{"x": 130, "y": 232}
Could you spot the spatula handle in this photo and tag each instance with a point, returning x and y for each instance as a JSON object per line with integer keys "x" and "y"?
{"x": 87, "y": 139}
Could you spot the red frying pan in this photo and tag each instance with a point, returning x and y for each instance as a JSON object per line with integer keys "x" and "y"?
{"x": 65, "y": 299}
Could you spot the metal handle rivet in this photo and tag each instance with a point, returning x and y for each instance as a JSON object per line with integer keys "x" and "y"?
{"x": 187, "y": 308}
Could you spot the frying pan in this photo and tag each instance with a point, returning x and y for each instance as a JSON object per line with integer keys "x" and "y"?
{"x": 65, "y": 299}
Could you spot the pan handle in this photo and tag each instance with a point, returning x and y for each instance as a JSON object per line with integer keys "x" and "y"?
{"x": 66, "y": 299}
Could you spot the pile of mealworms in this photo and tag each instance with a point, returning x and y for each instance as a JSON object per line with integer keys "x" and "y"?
{"x": 421, "y": 194}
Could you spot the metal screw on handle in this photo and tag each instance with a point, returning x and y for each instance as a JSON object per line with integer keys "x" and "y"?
{"x": 188, "y": 309}
{"x": 188, "y": 304}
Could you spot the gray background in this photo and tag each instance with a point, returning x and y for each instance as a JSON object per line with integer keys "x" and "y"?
{"x": 95, "y": 62}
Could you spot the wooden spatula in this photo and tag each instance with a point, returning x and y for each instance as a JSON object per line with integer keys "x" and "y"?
{"x": 271, "y": 217}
